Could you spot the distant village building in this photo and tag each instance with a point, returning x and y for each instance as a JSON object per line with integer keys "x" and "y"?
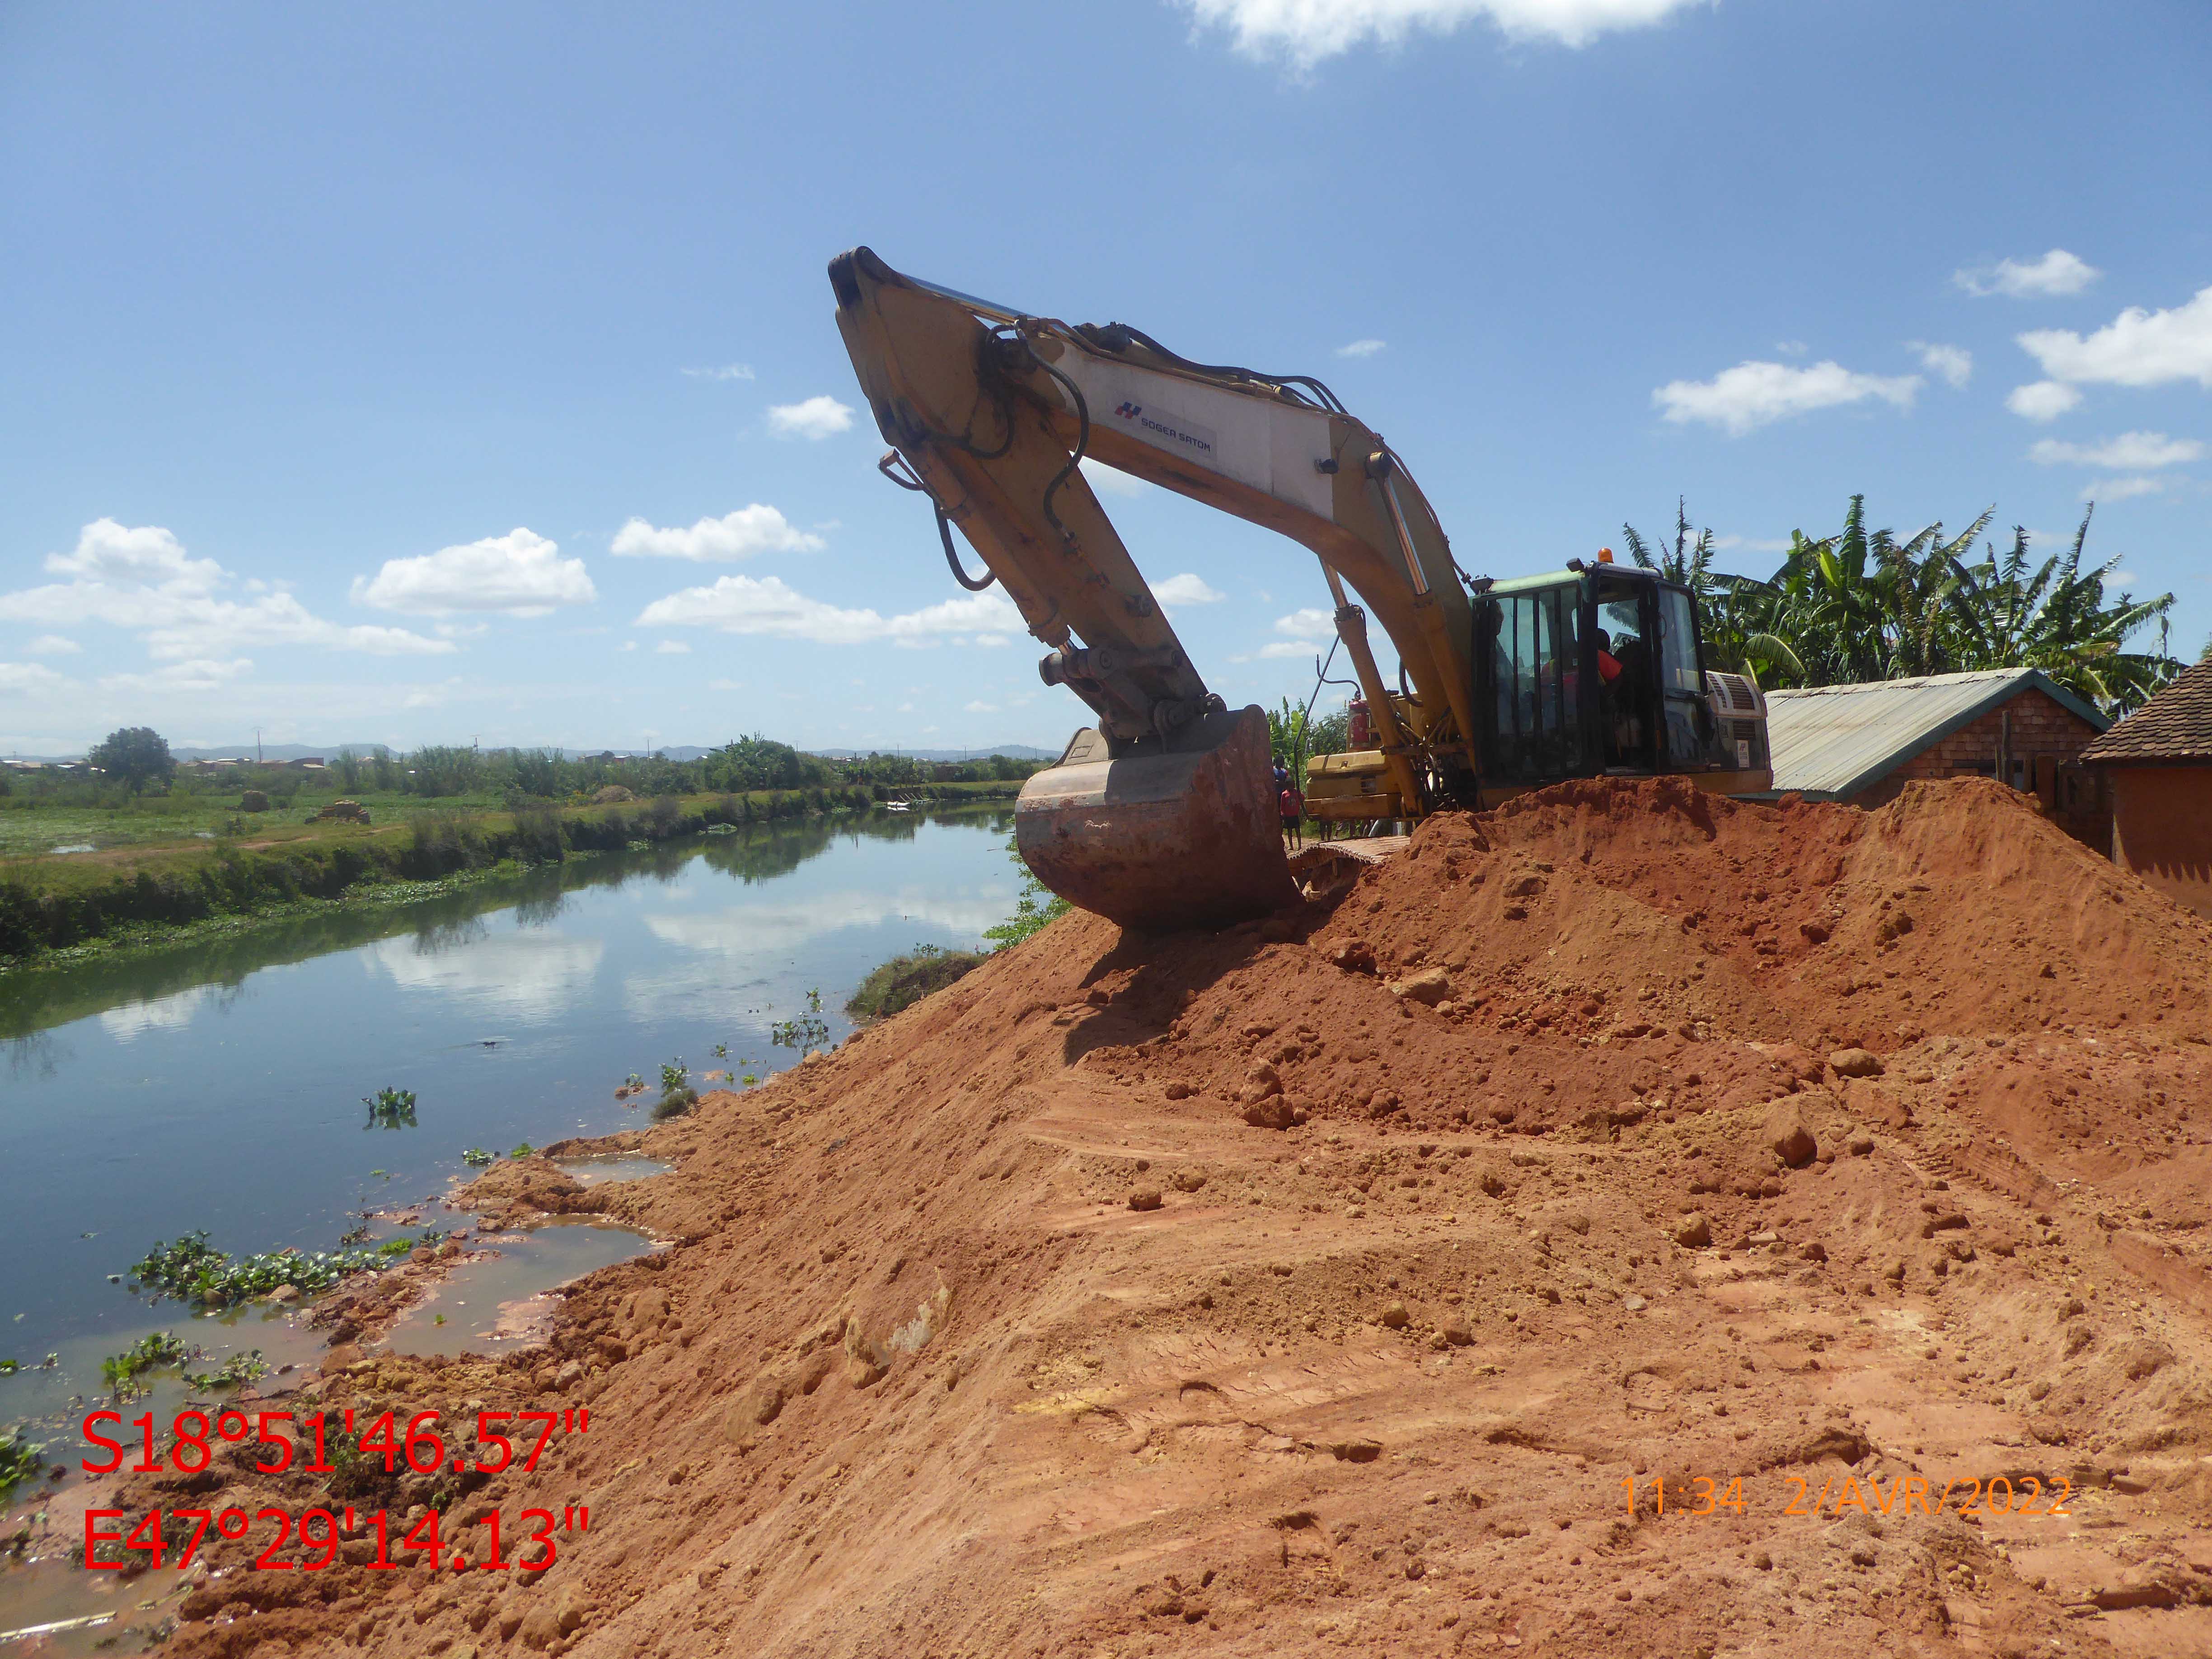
{"x": 2158, "y": 762}
{"x": 1864, "y": 743}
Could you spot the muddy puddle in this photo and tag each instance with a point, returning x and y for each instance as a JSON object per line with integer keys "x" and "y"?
{"x": 48, "y": 1610}
{"x": 591, "y": 1172}
{"x": 501, "y": 1296}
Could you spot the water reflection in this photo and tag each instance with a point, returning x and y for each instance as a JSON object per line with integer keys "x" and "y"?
{"x": 529, "y": 976}
{"x": 34, "y": 1000}
{"x": 218, "y": 1084}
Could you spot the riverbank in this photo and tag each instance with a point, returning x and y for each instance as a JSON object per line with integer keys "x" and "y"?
{"x": 65, "y": 907}
{"x": 1319, "y": 1283}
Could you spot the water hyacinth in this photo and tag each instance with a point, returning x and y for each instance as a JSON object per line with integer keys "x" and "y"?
{"x": 194, "y": 1271}
{"x": 19, "y": 1460}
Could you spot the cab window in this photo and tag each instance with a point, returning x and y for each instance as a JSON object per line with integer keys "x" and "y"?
{"x": 1536, "y": 670}
{"x": 1681, "y": 683}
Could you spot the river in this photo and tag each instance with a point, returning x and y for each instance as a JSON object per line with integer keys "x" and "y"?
{"x": 219, "y": 1085}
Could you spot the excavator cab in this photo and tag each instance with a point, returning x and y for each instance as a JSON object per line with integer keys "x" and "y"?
{"x": 1599, "y": 671}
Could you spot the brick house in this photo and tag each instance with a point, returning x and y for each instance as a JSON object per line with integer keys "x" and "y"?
{"x": 1864, "y": 743}
{"x": 2157, "y": 767}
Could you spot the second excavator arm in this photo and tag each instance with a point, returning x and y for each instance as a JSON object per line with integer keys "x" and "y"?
{"x": 992, "y": 410}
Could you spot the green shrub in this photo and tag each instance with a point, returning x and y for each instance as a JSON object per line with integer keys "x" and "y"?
{"x": 678, "y": 1096}
{"x": 904, "y": 981}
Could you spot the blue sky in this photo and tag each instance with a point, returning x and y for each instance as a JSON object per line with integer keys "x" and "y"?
{"x": 368, "y": 373}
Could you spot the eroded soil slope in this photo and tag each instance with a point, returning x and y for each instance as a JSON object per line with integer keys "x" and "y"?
{"x": 1627, "y": 1135}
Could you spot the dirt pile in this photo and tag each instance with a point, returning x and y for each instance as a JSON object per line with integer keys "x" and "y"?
{"x": 1403, "y": 1278}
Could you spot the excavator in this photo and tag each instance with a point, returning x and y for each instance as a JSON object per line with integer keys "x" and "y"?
{"x": 1163, "y": 814}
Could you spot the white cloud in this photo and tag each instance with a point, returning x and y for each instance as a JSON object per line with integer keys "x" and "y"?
{"x": 815, "y": 418}
{"x": 148, "y": 556}
{"x": 1308, "y": 623}
{"x": 2056, "y": 274}
{"x": 743, "y": 604}
{"x": 2138, "y": 348}
{"x": 2045, "y": 400}
{"x": 2132, "y": 452}
{"x": 1276, "y": 650}
{"x": 1753, "y": 394}
{"x": 1362, "y": 348}
{"x": 1304, "y": 32}
{"x": 1106, "y": 480}
{"x": 201, "y": 674}
{"x": 979, "y": 707}
{"x": 519, "y": 574}
{"x": 1751, "y": 543}
{"x": 142, "y": 578}
{"x": 2120, "y": 489}
{"x": 1953, "y": 365}
{"x": 20, "y": 678}
{"x": 739, "y": 535}
{"x": 1185, "y": 589}
{"x": 1791, "y": 347}
{"x": 726, "y": 371}
{"x": 54, "y": 645}
{"x": 673, "y": 648}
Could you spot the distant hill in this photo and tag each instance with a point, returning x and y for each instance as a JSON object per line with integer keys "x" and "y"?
{"x": 279, "y": 752}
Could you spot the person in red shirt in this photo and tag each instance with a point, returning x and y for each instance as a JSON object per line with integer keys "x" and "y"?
{"x": 1608, "y": 665}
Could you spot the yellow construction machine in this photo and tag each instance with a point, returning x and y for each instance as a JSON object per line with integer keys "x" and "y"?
{"x": 1163, "y": 814}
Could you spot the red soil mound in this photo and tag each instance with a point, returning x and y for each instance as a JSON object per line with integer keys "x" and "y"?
{"x": 1632, "y": 1136}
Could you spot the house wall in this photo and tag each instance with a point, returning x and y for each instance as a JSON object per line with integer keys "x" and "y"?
{"x": 2044, "y": 746}
{"x": 2162, "y": 828}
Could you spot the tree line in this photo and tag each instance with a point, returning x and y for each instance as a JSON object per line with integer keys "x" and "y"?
{"x": 137, "y": 758}
{"x": 1861, "y": 605}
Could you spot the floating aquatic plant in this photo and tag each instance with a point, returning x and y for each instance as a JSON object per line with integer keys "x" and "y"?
{"x": 196, "y": 1273}
{"x": 234, "y": 1372}
{"x": 125, "y": 1373}
{"x": 19, "y": 1460}
{"x": 390, "y": 1109}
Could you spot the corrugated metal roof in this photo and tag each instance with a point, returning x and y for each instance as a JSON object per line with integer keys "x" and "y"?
{"x": 1831, "y": 741}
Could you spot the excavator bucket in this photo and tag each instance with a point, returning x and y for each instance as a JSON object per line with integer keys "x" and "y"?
{"x": 1190, "y": 838}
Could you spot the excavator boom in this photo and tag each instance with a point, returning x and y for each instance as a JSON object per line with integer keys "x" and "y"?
{"x": 1164, "y": 815}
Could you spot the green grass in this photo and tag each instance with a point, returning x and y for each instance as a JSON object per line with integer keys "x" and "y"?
{"x": 32, "y": 829}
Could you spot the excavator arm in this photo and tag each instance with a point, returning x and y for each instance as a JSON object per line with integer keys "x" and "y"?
{"x": 1165, "y": 815}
